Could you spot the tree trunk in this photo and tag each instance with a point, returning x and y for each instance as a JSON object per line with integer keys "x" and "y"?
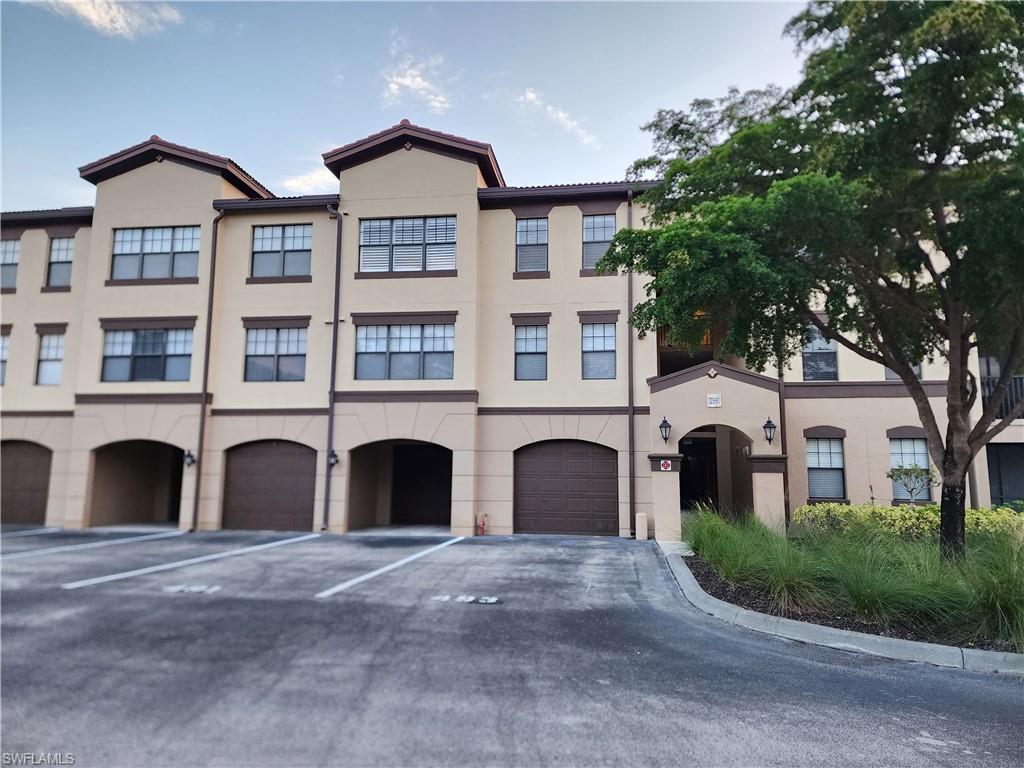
{"x": 951, "y": 520}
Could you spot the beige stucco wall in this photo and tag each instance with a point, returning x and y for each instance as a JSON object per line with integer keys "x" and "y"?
{"x": 53, "y": 432}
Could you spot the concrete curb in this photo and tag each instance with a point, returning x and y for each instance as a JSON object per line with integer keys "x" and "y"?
{"x": 843, "y": 639}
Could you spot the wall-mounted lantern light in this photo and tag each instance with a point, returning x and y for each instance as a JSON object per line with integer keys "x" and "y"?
{"x": 769, "y": 431}
{"x": 188, "y": 458}
{"x": 665, "y": 428}
{"x": 332, "y": 457}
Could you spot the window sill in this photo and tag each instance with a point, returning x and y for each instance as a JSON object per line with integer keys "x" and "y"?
{"x": 915, "y": 502}
{"x": 55, "y": 289}
{"x": 416, "y": 273}
{"x": 532, "y": 275}
{"x": 279, "y": 279}
{"x": 6, "y": 291}
{"x": 153, "y": 281}
{"x": 595, "y": 273}
{"x": 820, "y": 500}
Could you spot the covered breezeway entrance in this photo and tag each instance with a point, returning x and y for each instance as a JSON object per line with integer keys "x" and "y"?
{"x": 714, "y": 469}
{"x": 401, "y": 483}
{"x": 135, "y": 481}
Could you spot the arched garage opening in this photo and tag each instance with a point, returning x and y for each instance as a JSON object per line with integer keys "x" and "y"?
{"x": 24, "y": 482}
{"x": 714, "y": 469}
{"x": 269, "y": 485}
{"x": 135, "y": 481}
{"x": 566, "y": 486}
{"x": 399, "y": 482}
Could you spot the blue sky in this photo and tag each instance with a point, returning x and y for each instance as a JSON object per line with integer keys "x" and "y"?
{"x": 559, "y": 90}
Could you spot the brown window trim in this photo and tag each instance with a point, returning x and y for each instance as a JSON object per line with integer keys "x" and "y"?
{"x": 823, "y": 500}
{"x": 532, "y": 275}
{"x": 906, "y": 433}
{"x": 279, "y": 321}
{"x": 587, "y": 316}
{"x": 6, "y": 328}
{"x": 279, "y": 279}
{"x": 176, "y": 398}
{"x": 825, "y": 433}
{"x": 152, "y": 281}
{"x": 595, "y": 273}
{"x": 147, "y": 323}
{"x": 44, "y": 329}
{"x": 55, "y": 289}
{"x": 7, "y": 291}
{"x": 417, "y": 273}
{"x": 404, "y": 318}
{"x": 407, "y": 396}
{"x": 530, "y": 318}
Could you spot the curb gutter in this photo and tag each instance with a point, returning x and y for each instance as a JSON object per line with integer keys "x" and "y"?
{"x": 843, "y": 639}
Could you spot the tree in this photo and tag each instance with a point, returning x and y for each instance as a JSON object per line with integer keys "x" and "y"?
{"x": 881, "y": 201}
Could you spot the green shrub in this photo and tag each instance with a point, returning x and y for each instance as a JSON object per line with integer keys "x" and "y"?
{"x": 994, "y": 570}
{"x": 731, "y": 548}
{"x": 911, "y": 521}
{"x": 790, "y": 574}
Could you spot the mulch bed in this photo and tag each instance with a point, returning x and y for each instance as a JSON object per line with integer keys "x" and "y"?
{"x": 754, "y": 598}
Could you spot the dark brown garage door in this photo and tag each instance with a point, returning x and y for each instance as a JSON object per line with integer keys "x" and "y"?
{"x": 25, "y": 483}
{"x": 566, "y": 486}
{"x": 269, "y": 485}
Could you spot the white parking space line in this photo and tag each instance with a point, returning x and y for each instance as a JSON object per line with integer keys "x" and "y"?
{"x": 373, "y": 574}
{"x": 33, "y": 532}
{"x": 91, "y": 545}
{"x": 184, "y": 563}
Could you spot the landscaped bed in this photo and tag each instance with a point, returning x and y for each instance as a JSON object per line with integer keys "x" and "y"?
{"x": 871, "y": 569}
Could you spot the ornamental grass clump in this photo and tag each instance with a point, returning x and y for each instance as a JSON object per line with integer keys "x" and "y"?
{"x": 994, "y": 573}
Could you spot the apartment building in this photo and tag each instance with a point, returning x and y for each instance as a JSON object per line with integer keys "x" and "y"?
{"x": 428, "y": 346}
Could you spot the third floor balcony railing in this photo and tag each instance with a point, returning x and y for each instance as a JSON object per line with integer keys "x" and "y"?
{"x": 1014, "y": 393}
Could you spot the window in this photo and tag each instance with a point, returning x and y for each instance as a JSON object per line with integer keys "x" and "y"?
{"x": 598, "y": 232}
{"x": 10, "y": 252}
{"x": 155, "y": 253}
{"x": 890, "y": 374}
{"x": 405, "y": 351}
{"x": 147, "y": 355}
{"x": 275, "y": 354}
{"x": 531, "y": 352}
{"x": 58, "y": 271}
{"x": 531, "y": 245}
{"x": 908, "y": 452}
{"x": 5, "y": 349}
{"x": 825, "y": 468}
{"x": 599, "y": 350}
{"x": 282, "y": 251}
{"x": 51, "y": 359}
{"x": 819, "y": 357}
{"x": 407, "y": 245}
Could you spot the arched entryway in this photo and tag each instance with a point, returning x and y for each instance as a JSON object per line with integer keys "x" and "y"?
{"x": 399, "y": 482}
{"x": 25, "y": 485}
{"x": 269, "y": 485}
{"x": 135, "y": 481}
{"x": 714, "y": 469}
{"x": 566, "y": 486}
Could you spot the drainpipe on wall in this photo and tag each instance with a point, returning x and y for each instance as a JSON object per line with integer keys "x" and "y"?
{"x": 782, "y": 443}
{"x": 335, "y": 211}
{"x": 206, "y": 374}
{"x": 631, "y": 410}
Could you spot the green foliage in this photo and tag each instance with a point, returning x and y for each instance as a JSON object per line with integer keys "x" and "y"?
{"x": 917, "y": 481}
{"x": 847, "y": 560}
{"x": 912, "y": 521}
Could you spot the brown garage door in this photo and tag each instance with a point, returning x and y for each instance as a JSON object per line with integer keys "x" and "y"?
{"x": 25, "y": 483}
{"x": 269, "y": 485}
{"x": 566, "y": 486}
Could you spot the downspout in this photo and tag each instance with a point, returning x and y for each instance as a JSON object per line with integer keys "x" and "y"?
{"x": 335, "y": 211}
{"x": 782, "y": 429}
{"x": 631, "y": 410}
{"x": 206, "y": 374}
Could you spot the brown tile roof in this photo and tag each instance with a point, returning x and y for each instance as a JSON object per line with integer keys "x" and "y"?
{"x": 398, "y": 135}
{"x": 155, "y": 148}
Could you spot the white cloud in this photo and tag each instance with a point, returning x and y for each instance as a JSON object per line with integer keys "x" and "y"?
{"x": 530, "y": 99}
{"x": 416, "y": 77}
{"x": 319, "y": 181}
{"x": 117, "y": 18}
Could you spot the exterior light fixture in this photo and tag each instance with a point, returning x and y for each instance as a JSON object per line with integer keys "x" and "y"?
{"x": 332, "y": 457}
{"x": 665, "y": 428}
{"x": 188, "y": 459}
{"x": 769, "y": 431}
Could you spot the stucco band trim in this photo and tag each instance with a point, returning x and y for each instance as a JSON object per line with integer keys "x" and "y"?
{"x": 541, "y": 410}
{"x": 144, "y": 323}
{"x": 268, "y": 411}
{"x": 44, "y": 329}
{"x": 37, "y": 414}
{"x": 656, "y": 458}
{"x": 598, "y": 316}
{"x": 530, "y": 318}
{"x": 399, "y": 318}
{"x": 416, "y": 273}
{"x": 905, "y": 433}
{"x": 165, "y": 398}
{"x": 279, "y": 321}
{"x": 409, "y": 396}
{"x": 767, "y": 464}
{"x": 711, "y": 370}
{"x": 824, "y": 432}
{"x": 812, "y": 389}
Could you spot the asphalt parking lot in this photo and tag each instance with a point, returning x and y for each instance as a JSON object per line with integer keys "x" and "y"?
{"x": 262, "y": 648}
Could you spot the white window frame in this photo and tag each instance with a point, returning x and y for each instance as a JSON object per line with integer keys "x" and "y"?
{"x": 62, "y": 251}
{"x": 594, "y": 340}
{"x": 908, "y": 452}
{"x": 281, "y": 343}
{"x": 597, "y": 236}
{"x": 826, "y": 454}
{"x": 10, "y": 255}
{"x": 531, "y": 341}
{"x": 408, "y": 244}
{"x": 405, "y": 339}
{"x": 50, "y": 365}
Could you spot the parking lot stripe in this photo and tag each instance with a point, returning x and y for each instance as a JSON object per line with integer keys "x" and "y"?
{"x": 92, "y": 544}
{"x": 373, "y": 574}
{"x": 33, "y": 532}
{"x": 184, "y": 563}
